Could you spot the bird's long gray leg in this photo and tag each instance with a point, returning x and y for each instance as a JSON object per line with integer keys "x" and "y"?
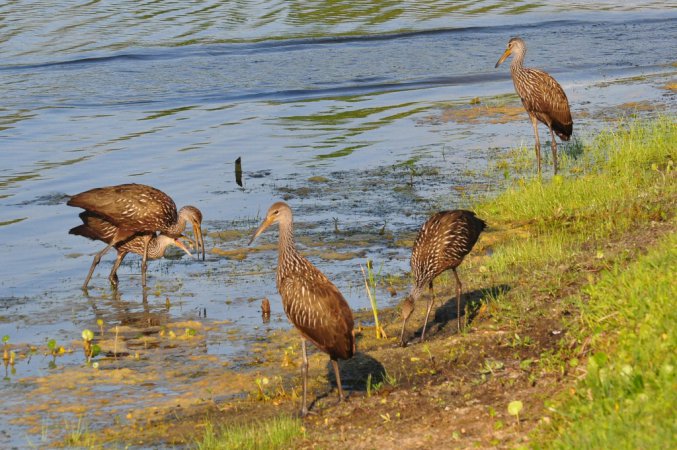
{"x": 144, "y": 260}
{"x": 95, "y": 262}
{"x": 304, "y": 371}
{"x": 113, "y": 277}
{"x": 534, "y": 124}
{"x": 459, "y": 288}
{"x": 554, "y": 150}
{"x": 427, "y": 314}
{"x": 338, "y": 379}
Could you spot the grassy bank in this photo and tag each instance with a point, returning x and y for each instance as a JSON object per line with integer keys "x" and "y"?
{"x": 628, "y": 395}
{"x": 570, "y": 299}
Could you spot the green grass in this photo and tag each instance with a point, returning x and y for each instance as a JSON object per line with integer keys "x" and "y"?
{"x": 628, "y": 396}
{"x": 622, "y": 181}
{"x": 555, "y": 237}
{"x": 276, "y": 433}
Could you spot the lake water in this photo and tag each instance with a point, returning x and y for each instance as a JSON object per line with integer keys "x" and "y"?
{"x": 351, "y": 93}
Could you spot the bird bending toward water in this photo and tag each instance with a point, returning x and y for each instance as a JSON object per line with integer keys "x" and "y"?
{"x": 442, "y": 243}
{"x": 542, "y": 97}
{"x": 96, "y": 228}
{"x": 137, "y": 211}
{"x": 312, "y": 303}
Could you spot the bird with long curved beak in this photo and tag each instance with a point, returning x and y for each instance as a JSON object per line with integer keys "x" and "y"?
{"x": 312, "y": 303}
{"x": 542, "y": 97}
{"x": 194, "y": 216}
{"x": 96, "y": 228}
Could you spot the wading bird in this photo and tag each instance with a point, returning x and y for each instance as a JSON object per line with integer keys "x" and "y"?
{"x": 442, "y": 243}
{"x": 542, "y": 97}
{"x": 312, "y": 303}
{"x": 98, "y": 229}
{"x": 138, "y": 211}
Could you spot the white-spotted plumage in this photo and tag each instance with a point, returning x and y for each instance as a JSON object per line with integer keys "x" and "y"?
{"x": 312, "y": 303}
{"x": 442, "y": 243}
{"x": 542, "y": 97}
{"x": 137, "y": 210}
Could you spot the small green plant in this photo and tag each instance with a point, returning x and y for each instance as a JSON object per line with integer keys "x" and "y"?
{"x": 5, "y": 342}
{"x": 514, "y": 408}
{"x": 370, "y": 286}
{"x": 91, "y": 350}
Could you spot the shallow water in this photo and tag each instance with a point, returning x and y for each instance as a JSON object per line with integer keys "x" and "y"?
{"x": 170, "y": 95}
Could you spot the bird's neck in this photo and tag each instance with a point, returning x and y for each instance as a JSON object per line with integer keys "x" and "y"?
{"x": 156, "y": 249}
{"x": 416, "y": 291}
{"x": 287, "y": 253}
{"x": 517, "y": 63}
{"x": 287, "y": 246}
{"x": 177, "y": 227}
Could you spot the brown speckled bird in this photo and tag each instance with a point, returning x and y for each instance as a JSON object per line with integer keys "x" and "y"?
{"x": 442, "y": 243}
{"x": 312, "y": 303}
{"x": 542, "y": 97}
{"x": 96, "y": 228}
{"x": 137, "y": 210}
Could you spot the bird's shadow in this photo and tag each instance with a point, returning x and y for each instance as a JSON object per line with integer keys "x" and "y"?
{"x": 359, "y": 373}
{"x": 471, "y": 302}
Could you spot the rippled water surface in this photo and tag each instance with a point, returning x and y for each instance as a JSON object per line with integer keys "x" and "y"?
{"x": 328, "y": 104}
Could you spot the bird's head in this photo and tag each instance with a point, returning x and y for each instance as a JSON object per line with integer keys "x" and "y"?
{"x": 165, "y": 241}
{"x": 407, "y": 307}
{"x": 515, "y": 45}
{"x": 278, "y": 212}
{"x": 194, "y": 216}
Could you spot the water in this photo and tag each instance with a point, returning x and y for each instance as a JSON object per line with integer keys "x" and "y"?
{"x": 170, "y": 94}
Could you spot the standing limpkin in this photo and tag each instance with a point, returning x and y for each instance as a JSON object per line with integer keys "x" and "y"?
{"x": 138, "y": 211}
{"x": 97, "y": 228}
{"x": 542, "y": 97}
{"x": 312, "y": 303}
{"x": 442, "y": 243}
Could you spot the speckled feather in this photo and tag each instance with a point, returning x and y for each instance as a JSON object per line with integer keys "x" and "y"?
{"x": 541, "y": 95}
{"x": 97, "y": 228}
{"x": 130, "y": 207}
{"x": 312, "y": 303}
{"x": 442, "y": 243}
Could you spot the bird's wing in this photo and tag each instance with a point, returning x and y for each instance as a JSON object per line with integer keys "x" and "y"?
{"x": 131, "y": 206}
{"x": 546, "y": 99}
{"x": 319, "y": 311}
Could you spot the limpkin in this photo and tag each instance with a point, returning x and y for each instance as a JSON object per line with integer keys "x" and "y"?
{"x": 137, "y": 210}
{"x": 442, "y": 243}
{"x": 96, "y": 228}
{"x": 542, "y": 97}
{"x": 312, "y": 303}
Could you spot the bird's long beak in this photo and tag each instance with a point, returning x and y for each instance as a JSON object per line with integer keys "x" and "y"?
{"x": 506, "y": 53}
{"x": 199, "y": 239}
{"x": 180, "y": 244}
{"x": 265, "y": 224}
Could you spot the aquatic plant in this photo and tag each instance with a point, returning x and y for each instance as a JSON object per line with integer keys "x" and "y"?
{"x": 370, "y": 286}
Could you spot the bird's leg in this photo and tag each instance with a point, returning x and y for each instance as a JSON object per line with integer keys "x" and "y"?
{"x": 554, "y": 150}
{"x": 113, "y": 277}
{"x": 97, "y": 259}
{"x": 459, "y": 287}
{"x": 338, "y": 379}
{"x": 534, "y": 124}
{"x": 427, "y": 314}
{"x": 304, "y": 371}
{"x": 144, "y": 260}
